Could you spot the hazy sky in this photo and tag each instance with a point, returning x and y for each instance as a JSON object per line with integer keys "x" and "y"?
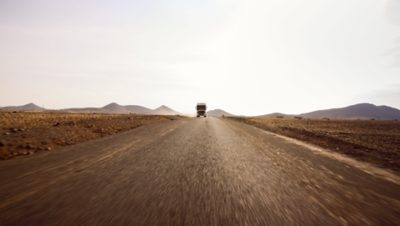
{"x": 245, "y": 56}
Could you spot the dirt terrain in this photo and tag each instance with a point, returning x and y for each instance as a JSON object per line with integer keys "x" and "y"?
{"x": 200, "y": 171}
{"x": 24, "y": 133}
{"x": 373, "y": 141}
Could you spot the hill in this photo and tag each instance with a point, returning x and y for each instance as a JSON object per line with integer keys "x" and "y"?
{"x": 114, "y": 108}
{"x": 138, "y": 109}
{"x": 218, "y": 113}
{"x": 163, "y": 110}
{"x": 277, "y": 115}
{"x": 31, "y": 107}
{"x": 80, "y": 110}
{"x": 357, "y": 111}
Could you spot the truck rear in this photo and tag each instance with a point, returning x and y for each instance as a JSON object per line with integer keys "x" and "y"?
{"x": 201, "y": 109}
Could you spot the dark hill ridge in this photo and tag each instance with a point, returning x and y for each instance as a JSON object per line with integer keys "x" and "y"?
{"x": 138, "y": 109}
{"x": 277, "y": 115}
{"x": 80, "y": 110}
{"x": 31, "y": 107}
{"x": 357, "y": 111}
{"x": 112, "y": 108}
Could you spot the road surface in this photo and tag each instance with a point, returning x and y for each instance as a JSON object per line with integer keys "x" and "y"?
{"x": 192, "y": 172}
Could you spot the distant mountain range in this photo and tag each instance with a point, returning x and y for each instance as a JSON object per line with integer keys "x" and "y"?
{"x": 31, "y": 107}
{"x": 112, "y": 108}
{"x": 357, "y": 111}
{"x": 277, "y": 114}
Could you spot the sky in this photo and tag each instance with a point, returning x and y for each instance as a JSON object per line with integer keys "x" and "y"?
{"x": 248, "y": 57}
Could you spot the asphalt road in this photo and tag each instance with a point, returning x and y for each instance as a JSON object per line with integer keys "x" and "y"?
{"x": 193, "y": 172}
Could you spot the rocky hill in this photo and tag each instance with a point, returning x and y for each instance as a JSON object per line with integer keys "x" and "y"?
{"x": 357, "y": 111}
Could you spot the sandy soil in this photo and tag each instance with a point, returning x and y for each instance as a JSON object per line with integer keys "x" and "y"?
{"x": 29, "y": 133}
{"x": 373, "y": 141}
{"x": 199, "y": 171}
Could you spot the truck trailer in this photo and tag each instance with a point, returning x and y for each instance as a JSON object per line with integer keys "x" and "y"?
{"x": 201, "y": 110}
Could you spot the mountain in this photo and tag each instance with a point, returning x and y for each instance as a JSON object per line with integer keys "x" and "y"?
{"x": 31, "y": 107}
{"x": 218, "y": 113}
{"x": 163, "y": 110}
{"x": 81, "y": 110}
{"x": 114, "y": 108}
{"x": 137, "y": 109}
{"x": 277, "y": 115}
{"x": 358, "y": 111}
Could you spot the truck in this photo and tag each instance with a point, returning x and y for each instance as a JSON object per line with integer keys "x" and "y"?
{"x": 201, "y": 110}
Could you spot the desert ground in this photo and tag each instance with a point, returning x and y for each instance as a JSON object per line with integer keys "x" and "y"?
{"x": 27, "y": 133}
{"x": 191, "y": 171}
{"x": 373, "y": 141}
